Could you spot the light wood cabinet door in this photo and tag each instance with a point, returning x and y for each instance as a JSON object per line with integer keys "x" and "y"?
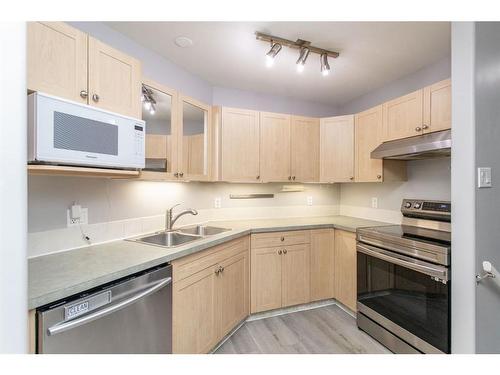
{"x": 240, "y": 145}
{"x": 368, "y": 135}
{"x": 403, "y": 116}
{"x": 337, "y": 149}
{"x": 437, "y": 107}
{"x": 114, "y": 80}
{"x": 57, "y": 60}
{"x": 304, "y": 149}
{"x": 345, "y": 268}
{"x": 295, "y": 275}
{"x": 274, "y": 147}
{"x": 195, "y": 313}
{"x": 265, "y": 279}
{"x": 322, "y": 264}
{"x": 233, "y": 296}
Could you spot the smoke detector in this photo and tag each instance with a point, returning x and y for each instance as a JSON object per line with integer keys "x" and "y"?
{"x": 183, "y": 41}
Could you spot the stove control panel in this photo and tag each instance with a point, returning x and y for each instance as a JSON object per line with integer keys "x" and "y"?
{"x": 433, "y": 210}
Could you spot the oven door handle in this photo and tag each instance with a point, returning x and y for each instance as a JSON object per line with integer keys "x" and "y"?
{"x": 436, "y": 272}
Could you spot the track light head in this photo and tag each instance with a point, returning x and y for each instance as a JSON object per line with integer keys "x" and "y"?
{"x": 325, "y": 67}
{"x": 271, "y": 55}
{"x": 301, "y": 61}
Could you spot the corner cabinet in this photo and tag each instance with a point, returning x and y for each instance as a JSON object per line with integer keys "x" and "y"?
{"x": 345, "y": 268}
{"x": 322, "y": 264}
{"x": 304, "y": 149}
{"x": 66, "y": 62}
{"x": 337, "y": 149}
{"x": 210, "y": 296}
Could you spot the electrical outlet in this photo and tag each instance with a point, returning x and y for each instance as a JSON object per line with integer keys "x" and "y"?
{"x": 374, "y": 202}
{"x": 83, "y": 219}
{"x": 217, "y": 202}
{"x": 309, "y": 200}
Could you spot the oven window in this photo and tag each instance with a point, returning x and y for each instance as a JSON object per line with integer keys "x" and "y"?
{"x": 82, "y": 134}
{"x": 408, "y": 298}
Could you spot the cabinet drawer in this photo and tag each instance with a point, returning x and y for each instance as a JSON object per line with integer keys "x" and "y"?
{"x": 189, "y": 265}
{"x": 273, "y": 239}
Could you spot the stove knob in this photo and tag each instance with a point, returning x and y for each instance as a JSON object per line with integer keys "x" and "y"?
{"x": 408, "y": 205}
{"x": 417, "y": 205}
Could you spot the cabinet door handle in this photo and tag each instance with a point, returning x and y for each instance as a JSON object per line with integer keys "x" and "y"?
{"x": 95, "y": 98}
{"x": 379, "y": 176}
{"x": 217, "y": 271}
{"x": 221, "y": 269}
{"x": 418, "y": 128}
{"x": 284, "y": 251}
{"x": 258, "y": 177}
{"x": 282, "y": 239}
{"x": 425, "y": 127}
{"x": 279, "y": 252}
{"x": 176, "y": 174}
{"x": 351, "y": 178}
{"x": 84, "y": 94}
{"x": 289, "y": 178}
{"x": 181, "y": 174}
{"x": 293, "y": 178}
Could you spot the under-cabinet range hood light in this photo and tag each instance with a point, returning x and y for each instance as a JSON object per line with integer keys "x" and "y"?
{"x": 427, "y": 146}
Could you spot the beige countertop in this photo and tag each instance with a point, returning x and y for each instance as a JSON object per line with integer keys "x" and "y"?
{"x": 57, "y": 276}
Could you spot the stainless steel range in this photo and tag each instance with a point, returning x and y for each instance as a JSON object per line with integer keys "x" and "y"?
{"x": 403, "y": 279}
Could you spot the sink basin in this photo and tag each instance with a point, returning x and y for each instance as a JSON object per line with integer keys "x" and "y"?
{"x": 169, "y": 239}
{"x": 203, "y": 230}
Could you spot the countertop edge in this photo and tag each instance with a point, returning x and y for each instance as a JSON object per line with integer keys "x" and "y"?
{"x": 51, "y": 297}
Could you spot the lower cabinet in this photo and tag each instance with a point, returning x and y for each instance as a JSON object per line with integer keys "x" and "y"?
{"x": 210, "y": 296}
{"x": 322, "y": 264}
{"x": 280, "y": 273}
{"x": 345, "y": 268}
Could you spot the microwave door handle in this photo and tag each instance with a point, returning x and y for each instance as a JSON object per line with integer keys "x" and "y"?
{"x": 58, "y": 328}
{"x": 434, "y": 271}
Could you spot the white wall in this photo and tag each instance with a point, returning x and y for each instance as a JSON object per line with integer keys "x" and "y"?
{"x": 13, "y": 265}
{"x": 430, "y": 74}
{"x": 427, "y": 179}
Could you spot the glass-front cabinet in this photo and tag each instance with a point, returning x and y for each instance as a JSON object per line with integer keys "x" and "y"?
{"x": 178, "y": 135}
{"x": 195, "y": 132}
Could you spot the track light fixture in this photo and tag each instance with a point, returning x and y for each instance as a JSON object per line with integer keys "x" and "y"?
{"x": 305, "y": 48}
{"x": 271, "y": 55}
{"x": 148, "y": 100}
{"x": 325, "y": 67}
{"x": 301, "y": 61}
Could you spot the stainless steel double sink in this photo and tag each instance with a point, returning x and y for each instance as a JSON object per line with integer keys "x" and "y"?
{"x": 180, "y": 236}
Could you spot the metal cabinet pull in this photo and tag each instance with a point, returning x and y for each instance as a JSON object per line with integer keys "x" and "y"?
{"x": 258, "y": 177}
{"x": 379, "y": 176}
{"x": 176, "y": 174}
{"x": 279, "y": 252}
{"x": 282, "y": 238}
{"x": 418, "y": 128}
{"x": 284, "y": 251}
{"x": 293, "y": 178}
{"x": 84, "y": 94}
{"x": 351, "y": 178}
{"x": 95, "y": 98}
{"x": 289, "y": 178}
{"x": 181, "y": 174}
{"x": 425, "y": 127}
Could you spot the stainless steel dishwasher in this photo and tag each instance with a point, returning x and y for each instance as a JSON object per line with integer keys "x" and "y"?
{"x": 131, "y": 315}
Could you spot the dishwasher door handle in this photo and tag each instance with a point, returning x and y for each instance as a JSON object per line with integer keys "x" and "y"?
{"x": 58, "y": 328}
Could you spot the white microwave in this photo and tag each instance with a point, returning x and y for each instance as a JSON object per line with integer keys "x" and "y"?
{"x": 69, "y": 133}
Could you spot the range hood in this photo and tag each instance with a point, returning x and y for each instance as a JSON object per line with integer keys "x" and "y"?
{"x": 432, "y": 145}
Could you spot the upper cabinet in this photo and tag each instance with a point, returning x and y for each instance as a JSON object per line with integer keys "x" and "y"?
{"x": 437, "y": 107}
{"x": 304, "y": 149}
{"x": 239, "y": 144}
{"x": 57, "y": 60}
{"x": 423, "y": 111}
{"x": 403, "y": 116}
{"x": 368, "y": 131}
{"x": 274, "y": 147}
{"x": 114, "y": 80}
{"x": 66, "y": 62}
{"x": 337, "y": 149}
{"x": 195, "y": 142}
{"x": 162, "y": 131}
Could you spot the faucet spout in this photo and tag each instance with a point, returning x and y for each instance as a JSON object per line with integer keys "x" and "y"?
{"x": 170, "y": 219}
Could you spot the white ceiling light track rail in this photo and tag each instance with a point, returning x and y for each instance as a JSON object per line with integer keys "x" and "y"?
{"x": 303, "y": 46}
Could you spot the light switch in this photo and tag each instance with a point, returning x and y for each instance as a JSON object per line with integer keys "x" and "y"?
{"x": 484, "y": 177}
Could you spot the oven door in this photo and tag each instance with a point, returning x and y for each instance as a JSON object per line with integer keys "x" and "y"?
{"x": 408, "y": 297}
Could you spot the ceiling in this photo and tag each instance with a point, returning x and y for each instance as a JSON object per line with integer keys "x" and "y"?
{"x": 227, "y": 54}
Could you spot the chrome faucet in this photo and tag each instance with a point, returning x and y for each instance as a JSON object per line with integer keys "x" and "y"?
{"x": 170, "y": 220}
